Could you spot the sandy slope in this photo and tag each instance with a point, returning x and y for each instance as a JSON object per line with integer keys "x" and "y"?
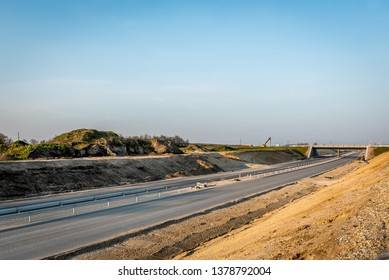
{"x": 347, "y": 219}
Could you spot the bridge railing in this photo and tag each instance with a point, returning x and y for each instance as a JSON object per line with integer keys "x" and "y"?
{"x": 340, "y": 146}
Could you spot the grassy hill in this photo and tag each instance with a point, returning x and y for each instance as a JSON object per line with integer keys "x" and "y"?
{"x": 84, "y": 136}
{"x": 91, "y": 143}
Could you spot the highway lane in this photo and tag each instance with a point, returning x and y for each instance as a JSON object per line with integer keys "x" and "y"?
{"x": 139, "y": 187}
{"x": 49, "y": 238}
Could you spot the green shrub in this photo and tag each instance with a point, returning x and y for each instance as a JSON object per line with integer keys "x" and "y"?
{"x": 19, "y": 152}
{"x": 84, "y": 136}
{"x": 222, "y": 148}
{"x": 380, "y": 150}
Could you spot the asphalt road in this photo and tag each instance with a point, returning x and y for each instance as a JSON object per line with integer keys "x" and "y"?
{"x": 41, "y": 240}
{"x": 171, "y": 183}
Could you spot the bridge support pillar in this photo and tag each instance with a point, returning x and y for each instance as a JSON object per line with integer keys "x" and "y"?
{"x": 367, "y": 153}
{"x": 312, "y": 152}
{"x": 338, "y": 153}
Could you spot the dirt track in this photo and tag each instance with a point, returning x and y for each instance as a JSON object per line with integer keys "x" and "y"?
{"x": 338, "y": 215}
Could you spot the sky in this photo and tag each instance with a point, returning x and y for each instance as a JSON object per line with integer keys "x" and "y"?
{"x": 210, "y": 71}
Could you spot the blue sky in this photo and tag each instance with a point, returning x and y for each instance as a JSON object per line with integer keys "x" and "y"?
{"x": 209, "y": 71}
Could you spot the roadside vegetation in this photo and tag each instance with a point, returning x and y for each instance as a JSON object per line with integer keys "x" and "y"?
{"x": 88, "y": 143}
{"x": 302, "y": 150}
{"x": 92, "y": 143}
{"x": 380, "y": 150}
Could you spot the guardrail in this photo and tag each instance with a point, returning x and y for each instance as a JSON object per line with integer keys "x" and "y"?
{"x": 17, "y": 219}
{"x": 46, "y": 205}
{"x": 51, "y": 210}
{"x": 345, "y": 147}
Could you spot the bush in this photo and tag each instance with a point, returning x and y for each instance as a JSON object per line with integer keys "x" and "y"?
{"x": 5, "y": 141}
{"x": 380, "y": 150}
{"x": 222, "y": 148}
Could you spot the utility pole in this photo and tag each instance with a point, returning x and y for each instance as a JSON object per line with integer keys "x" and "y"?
{"x": 18, "y": 136}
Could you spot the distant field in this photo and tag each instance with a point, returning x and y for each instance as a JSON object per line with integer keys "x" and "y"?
{"x": 242, "y": 148}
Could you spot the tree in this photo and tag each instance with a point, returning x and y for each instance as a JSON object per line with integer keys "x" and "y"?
{"x": 5, "y": 141}
{"x": 178, "y": 140}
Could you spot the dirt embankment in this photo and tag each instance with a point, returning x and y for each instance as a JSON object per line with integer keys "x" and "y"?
{"x": 30, "y": 178}
{"x": 346, "y": 218}
{"x": 342, "y": 214}
{"x": 41, "y": 177}
{"x": 239, "y": 160}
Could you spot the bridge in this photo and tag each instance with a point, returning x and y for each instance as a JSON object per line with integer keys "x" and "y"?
{"x": 312, "y": 152}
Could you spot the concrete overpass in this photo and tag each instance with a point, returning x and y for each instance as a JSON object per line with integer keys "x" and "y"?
{"x": 312, "y": 152}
